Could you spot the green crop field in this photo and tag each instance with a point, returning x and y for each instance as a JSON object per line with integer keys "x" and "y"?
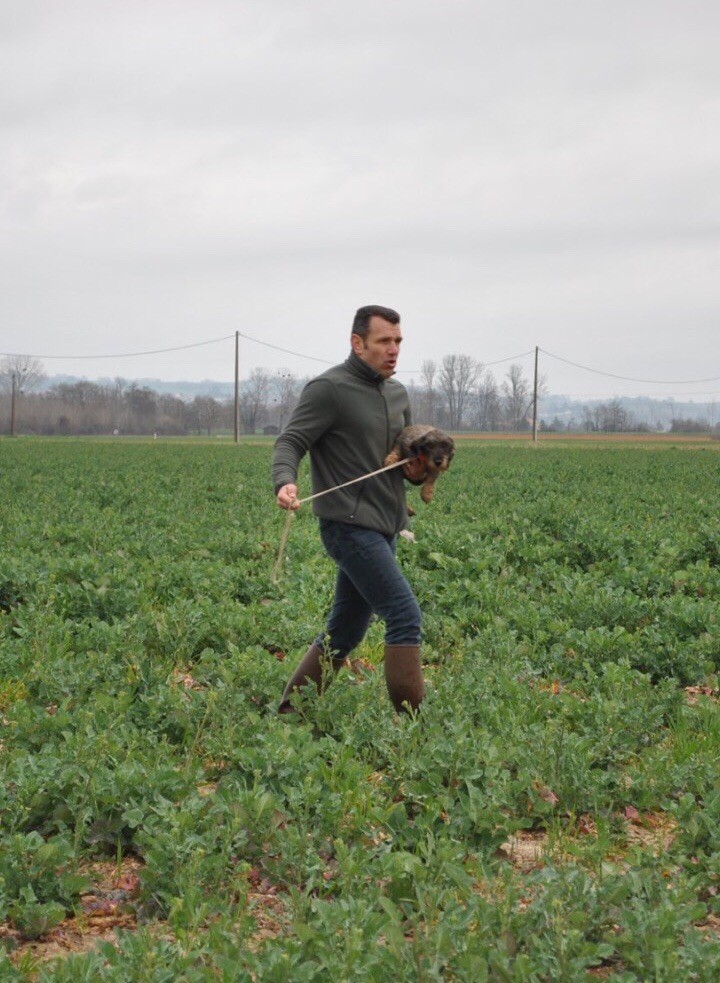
{"x": 553, "y": 814}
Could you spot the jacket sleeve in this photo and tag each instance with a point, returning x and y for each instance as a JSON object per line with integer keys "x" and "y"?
{"x": 311, "y": 418}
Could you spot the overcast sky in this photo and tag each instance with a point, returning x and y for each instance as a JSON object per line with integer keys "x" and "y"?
{"x": 505, "y": 174}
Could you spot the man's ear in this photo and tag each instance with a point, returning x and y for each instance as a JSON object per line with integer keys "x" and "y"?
{"x": 357, "y": 344}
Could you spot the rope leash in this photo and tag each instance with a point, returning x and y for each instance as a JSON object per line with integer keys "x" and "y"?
{"x": 275, "y": 576}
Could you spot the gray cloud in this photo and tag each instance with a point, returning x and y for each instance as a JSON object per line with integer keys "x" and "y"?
{"x": 505, "y": 175}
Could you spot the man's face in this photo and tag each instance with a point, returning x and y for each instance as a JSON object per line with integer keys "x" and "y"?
{"x": 381, "y": 347}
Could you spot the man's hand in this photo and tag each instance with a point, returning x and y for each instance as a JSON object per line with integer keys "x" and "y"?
{"x": 415, "y": 470}
{"x": 287, "y": 497}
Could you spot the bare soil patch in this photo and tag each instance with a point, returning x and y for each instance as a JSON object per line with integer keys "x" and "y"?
{"x": 105, "y": 908}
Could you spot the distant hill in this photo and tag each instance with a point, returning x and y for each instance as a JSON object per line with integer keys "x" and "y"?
{"x": 643, "y": 409}
{"x": 182, "y": 388}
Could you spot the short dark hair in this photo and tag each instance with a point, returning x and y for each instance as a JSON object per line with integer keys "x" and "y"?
{"x": 361, "y": 324}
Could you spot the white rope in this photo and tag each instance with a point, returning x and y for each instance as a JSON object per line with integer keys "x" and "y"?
{"x": 354, "y": 480}
{"x": 275, "y": 576}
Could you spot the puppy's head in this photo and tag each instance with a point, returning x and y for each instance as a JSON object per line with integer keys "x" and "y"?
{"x": 436, "y": 447}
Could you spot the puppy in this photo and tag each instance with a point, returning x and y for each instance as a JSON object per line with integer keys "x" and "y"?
{"x": 432, "y": 446}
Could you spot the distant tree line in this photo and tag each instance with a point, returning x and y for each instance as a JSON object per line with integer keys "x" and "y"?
{"x": 92, "y": 408}
{"x": 458, "y": 393}
{"x": 613, "y": 417}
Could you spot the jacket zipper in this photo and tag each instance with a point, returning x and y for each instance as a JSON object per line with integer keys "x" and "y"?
{"x": 360, "y": 494}
{"x": 388, "y": 445}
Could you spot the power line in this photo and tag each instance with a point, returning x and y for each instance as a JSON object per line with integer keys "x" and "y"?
{"x": 510, "y": 358}
{"x": 176, "y": 348}
{"x": 626, "y": 378}
{"x": 156, "y": 351}
{"x": 213, "y": 341}
{"x": 313, "y": 358}
{"x": 285, "y": 351}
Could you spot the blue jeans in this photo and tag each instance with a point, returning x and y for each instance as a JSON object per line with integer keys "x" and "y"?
{"x": 369, "y": 581}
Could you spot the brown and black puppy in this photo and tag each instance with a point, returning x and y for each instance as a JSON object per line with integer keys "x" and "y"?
{"x": 430, "y": 445}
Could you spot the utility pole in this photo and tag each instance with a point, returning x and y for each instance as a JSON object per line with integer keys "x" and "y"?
{"x": 12, "y": 404}
{"x": 237, "y": 387}
{"x": 535, "y": 400}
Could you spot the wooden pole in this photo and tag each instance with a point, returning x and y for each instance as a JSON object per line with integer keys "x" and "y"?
{"x": 237, "y": 387}
{"x": 535, "y": 400}
{"x": 12, "y": 404}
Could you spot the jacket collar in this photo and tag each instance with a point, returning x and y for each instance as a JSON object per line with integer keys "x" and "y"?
{"x": 362, "y": 370}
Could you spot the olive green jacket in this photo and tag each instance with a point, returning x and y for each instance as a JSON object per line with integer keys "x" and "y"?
{"x": 347, "y": 419}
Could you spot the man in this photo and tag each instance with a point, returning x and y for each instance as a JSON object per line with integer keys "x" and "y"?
{"x": 347, "y": 419}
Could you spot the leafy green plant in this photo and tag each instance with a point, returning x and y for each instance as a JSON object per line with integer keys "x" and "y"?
{"x": 571, "y": 649}
{"x": 38, "y": 882}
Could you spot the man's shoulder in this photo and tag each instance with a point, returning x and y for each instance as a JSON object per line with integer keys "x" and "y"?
{"x": 335, "y": 375}
{"x": 323, "y": 385}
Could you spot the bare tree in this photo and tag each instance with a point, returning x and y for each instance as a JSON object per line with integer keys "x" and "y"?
{"x": 488, "y": 406}
{"x": 27, "y": 371}
{"x": 518, "y": 397}
{"x": 204, "y": 413}
{"x": 79, "y": 393}
{"x": 458, "y": 375}
{"x": 614, "y": 418}
{"x": 609, "y": 417}
{"x": 591, "y": 418}
{"x": 416, "y": 395}
{"x": 253, "y": 398}
{"x": 689, "y": 425}
{"x": 284, "y": 387}
{"x": 171, "y": 412}
{"x": 19, "y": 374}
{"x": 429, "y": 402}
{"x": 142, "y": 406}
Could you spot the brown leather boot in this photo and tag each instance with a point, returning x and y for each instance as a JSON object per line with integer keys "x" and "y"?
{"x": 315, "y": 667}
{"x": 403, "y": 676}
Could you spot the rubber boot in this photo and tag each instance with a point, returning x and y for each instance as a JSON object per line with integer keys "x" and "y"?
{"x": 315, "y": 667}
{"x": 404, "y": 678}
